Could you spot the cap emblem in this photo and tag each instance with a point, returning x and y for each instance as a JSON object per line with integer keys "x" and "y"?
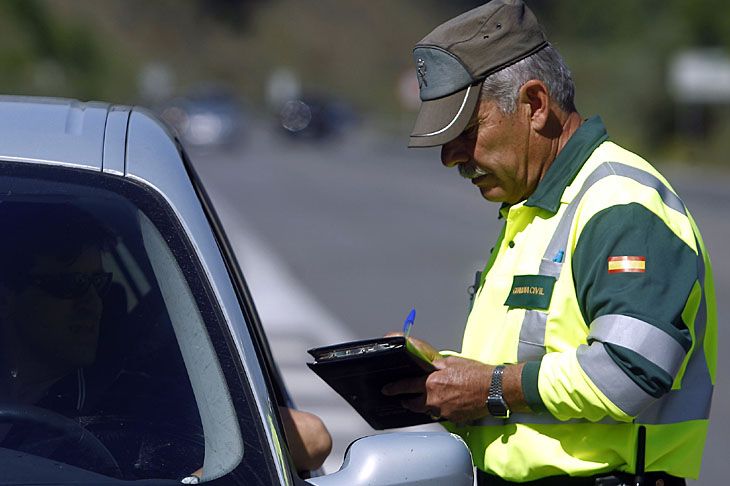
{"x": 421, "y": 72}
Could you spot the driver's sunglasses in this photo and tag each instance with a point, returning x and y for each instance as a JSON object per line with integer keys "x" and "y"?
{"x": 72, "y": 285}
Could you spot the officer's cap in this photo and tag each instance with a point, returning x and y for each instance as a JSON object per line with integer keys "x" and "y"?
{"x": 453, "y": 60}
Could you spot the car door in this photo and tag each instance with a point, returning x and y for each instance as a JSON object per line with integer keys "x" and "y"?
{"x": 116, "y": 288}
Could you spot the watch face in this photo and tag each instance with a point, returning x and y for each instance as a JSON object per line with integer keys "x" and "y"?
{"x": 497, "y": 407}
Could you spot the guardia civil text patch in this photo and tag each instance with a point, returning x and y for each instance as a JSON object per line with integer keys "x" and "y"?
{"x": 621, "y": 264}
{"x": 531, "y": 292}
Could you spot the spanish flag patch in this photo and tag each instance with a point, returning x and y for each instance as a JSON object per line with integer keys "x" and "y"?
{"x": 620, "y": 264}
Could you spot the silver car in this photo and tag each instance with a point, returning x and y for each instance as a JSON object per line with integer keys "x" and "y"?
{"x": 130, "y": 347}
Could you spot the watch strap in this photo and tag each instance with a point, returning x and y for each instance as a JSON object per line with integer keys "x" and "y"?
{"x": 496, "y": 404}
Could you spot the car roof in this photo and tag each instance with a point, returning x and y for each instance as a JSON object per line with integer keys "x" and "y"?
{"x": 53, "y": 130}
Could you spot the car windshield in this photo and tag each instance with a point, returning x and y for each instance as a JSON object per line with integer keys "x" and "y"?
{"x": 102, "y": 340}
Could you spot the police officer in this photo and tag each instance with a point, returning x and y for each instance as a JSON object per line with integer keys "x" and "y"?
{"x": 589, "y": 354}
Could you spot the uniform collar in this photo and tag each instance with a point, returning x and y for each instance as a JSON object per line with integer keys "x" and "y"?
{"x": 567, "y": 164}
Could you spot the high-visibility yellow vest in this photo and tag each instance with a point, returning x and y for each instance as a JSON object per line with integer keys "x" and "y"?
{"x": 600, "y": 281}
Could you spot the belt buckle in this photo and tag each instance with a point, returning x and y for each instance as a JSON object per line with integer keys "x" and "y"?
{"x": 612, "y": 480}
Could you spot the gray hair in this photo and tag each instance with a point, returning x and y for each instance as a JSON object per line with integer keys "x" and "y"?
{"x": 545, "y": 65}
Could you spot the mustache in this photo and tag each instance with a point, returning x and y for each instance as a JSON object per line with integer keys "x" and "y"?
{"x": 470, "y": 171}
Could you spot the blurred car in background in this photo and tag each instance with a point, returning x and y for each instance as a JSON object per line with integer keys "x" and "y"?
{"x": 129, "y": 302}
{"x": 210, "y": 116}
{"x": 316, "y": 118}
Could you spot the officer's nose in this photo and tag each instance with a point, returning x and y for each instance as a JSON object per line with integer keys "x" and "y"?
{"x": 453, "y": 153}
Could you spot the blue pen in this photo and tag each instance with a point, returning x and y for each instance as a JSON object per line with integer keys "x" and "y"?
{"x": 408, "y": 323}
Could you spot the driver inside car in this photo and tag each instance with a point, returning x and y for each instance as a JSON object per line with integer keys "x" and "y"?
{"x": 70, "y": 358}
{"x": 52, "y": 355}
{"x": 65, "y": 354}
{"x": 51, "y": 288}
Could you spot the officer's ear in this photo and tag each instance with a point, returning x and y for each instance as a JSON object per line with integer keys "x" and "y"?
{"x": 535, "y": 98}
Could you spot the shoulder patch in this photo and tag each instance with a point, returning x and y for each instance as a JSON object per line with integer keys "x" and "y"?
{"x": 621, "y": 264}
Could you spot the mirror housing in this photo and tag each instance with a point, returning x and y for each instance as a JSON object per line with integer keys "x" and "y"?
{"x": 404, "y": 458}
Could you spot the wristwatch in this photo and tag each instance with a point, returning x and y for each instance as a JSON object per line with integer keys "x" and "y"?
{"x": 496, "y": 404}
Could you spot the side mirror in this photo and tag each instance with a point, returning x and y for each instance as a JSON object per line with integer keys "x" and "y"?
{"x": 403, "y": 458}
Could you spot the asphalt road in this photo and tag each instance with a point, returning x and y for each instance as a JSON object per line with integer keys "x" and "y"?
{"x": 371, "y": 229}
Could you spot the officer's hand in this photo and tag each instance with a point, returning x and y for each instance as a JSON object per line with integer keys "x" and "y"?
{"x": 456, "y": 391}
{"x": 425, "y": 348}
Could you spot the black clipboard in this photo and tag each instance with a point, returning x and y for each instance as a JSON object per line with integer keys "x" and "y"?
{"x": 358, "y": 370}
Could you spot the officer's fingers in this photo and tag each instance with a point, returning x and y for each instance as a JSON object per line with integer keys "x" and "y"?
{"x": 425, "y": 348}
{"x": 410, "y": 385}
{"x": 451, "y": 361}
{"x": 447, "y": 362}
{"x": 441, "y": 383}
{"x": 440, "y": 391}
{"x": 415, "y": 404}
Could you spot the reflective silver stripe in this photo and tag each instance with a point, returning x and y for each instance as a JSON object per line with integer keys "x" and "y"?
{"x": 549, "y": 267}
{"x": 559, "y": 240}
{"x": 522, "y": 418}
{"x": 612, "y": 380}
{"x": 649, "y": 180}
{"x": 531, "y": 346}
{"x": 641, "y": 337}
{"x": 537, "y": 419}
{"x": 693, "y": 400}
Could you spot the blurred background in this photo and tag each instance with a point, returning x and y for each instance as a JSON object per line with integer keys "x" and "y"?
{"x": 296, "y": 114}
{"x": 658, "y": 70}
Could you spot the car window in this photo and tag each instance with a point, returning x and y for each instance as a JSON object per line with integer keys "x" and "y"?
{"x": 106, "y": 363}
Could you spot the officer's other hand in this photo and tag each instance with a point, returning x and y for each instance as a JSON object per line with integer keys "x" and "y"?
{"x": 456, "y": 391}
{"x": 425, "y": 348}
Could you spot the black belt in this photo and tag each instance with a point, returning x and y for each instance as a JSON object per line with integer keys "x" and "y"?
{"x": 607, "y": 479}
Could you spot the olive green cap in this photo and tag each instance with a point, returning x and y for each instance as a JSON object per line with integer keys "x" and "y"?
{"x": 453, "y": 60}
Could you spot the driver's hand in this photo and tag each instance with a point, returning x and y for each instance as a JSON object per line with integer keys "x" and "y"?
{"x": 194, "y": 477}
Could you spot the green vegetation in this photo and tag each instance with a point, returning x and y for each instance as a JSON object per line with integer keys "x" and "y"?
{"x": 620, "y": 52}
{"x": 41, "y": 54}
{"x": 356, "y": 50}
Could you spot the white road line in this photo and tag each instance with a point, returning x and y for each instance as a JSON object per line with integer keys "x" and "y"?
{"x": 294, "y": 321}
